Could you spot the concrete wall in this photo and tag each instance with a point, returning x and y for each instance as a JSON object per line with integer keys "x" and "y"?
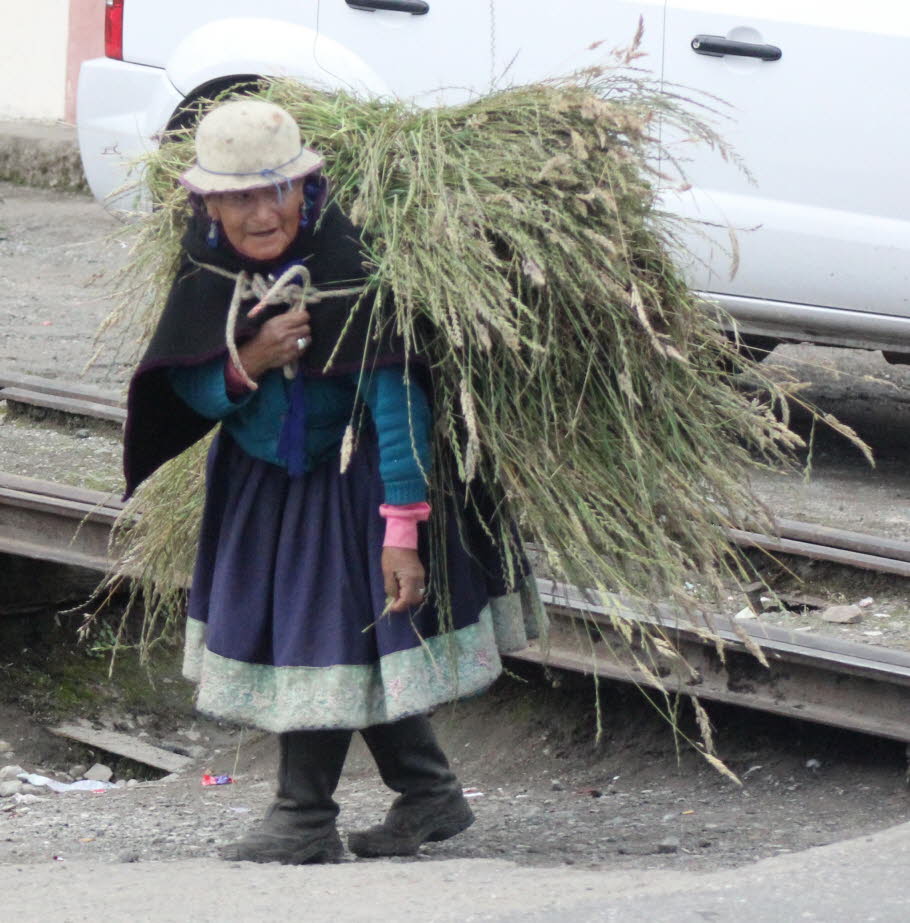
{"x": 86, "y": 40}
{"x": 33, "y": 57}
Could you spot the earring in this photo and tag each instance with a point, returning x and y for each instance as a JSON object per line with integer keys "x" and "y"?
{"x": 212, "y": 237}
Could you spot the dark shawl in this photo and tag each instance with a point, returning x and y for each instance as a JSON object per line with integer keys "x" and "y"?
{"x": 191, "y": 331}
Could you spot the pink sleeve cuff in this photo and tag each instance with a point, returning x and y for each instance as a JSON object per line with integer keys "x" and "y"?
{"x": 401, "y": 523}
{"x": 235, "y": 386}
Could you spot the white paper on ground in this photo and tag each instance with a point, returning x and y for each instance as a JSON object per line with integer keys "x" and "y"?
{"x": 83, "y": 785}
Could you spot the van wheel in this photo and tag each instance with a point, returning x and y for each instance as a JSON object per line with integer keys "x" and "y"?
{"x": 754, "y": 346}
{"x": 191, "y": 110}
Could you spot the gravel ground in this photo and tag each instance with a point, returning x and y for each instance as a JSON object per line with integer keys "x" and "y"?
{"x": 543, "y": 793}
{"x": 80, "y": 455}
{"x": 548, "y": 795}
{"x": 58, "y": 263}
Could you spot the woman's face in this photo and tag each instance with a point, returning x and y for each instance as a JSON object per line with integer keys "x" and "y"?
{"x": 259, "y": 223}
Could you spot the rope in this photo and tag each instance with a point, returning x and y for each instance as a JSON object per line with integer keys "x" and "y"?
{"x": 282, "y": 291}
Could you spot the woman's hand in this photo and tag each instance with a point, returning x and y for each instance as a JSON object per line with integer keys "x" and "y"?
{"x": 404, "y": 578}
{"x": 275, "y": 343}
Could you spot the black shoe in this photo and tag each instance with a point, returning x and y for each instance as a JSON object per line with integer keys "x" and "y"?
{"x": 299, "y": 827}
{"x": 304, "y": 848}
{"x": 411, "y": 823}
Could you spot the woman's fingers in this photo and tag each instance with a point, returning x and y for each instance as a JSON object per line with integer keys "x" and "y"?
{"x": 403, "y": 577}
{"x": 282, "y": 339}
{"x": 295, "y": 334}
{"x": 297, "y": 319}
{"x": 390, "y": 584}
{"x": 411, "y": 591}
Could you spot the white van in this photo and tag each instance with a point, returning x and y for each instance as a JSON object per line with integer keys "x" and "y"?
{"x": 820, "y": 114}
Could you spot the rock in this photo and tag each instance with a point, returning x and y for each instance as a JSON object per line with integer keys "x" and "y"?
{"x": 82, "y": 433}
{"x": 668, "y": 845}
{"x": 753, "y": 593}
{"x": 5, "y": 747}
{"x": 10, "y": 772}
{"x": 556, "y": 786}
{"x": 866, "y": 602}
{"x": 843, "y": 615}
{"x": 798, "y": 601}
{"x": 132, "y": 783}
{"x": 197, "y": 752}
{"x": 32, "y": 789}
{"x": 633, "y": 850}
{"x": 78, "y": 771}
{"x": 10, "y": 787}
{"x": 99, "y": 773}
{"x": 745, "y": 614}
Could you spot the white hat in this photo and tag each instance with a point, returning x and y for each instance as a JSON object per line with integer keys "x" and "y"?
{"x": 247, "y": 144}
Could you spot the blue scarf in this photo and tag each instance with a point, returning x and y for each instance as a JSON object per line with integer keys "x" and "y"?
{"x": 292, "y": 439}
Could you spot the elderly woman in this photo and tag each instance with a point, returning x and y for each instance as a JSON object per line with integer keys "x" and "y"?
{"x": 311, "y": 613}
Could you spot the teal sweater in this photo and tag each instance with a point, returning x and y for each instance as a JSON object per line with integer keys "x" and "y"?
{"x": 397, "y": 404}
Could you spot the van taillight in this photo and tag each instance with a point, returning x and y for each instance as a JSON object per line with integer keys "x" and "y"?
{"x": 113, "y": 29}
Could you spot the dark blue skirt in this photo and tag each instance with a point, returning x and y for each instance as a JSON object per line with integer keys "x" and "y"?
{"x": 286, "y": 626}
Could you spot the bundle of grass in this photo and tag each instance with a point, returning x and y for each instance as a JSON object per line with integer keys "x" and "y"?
{"x": 532, "y": 267}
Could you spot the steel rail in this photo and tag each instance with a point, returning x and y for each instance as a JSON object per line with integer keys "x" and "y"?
{"x": 859, "y": 687}
{"x": 53, "y": 522}
{"x": 74, "y": 391}
{"x": 851, "y": 557}
{"x": 74, "y": 399}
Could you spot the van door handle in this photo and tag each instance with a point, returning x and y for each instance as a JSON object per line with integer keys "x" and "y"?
{"x": 718, "y": 46}
{"x": 414, "y": 7}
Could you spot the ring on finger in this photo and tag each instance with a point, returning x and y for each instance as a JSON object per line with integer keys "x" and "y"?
{"x": 302, "y": 343}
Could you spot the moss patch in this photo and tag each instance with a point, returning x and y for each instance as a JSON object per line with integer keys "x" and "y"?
{"x": 47, "y": 671}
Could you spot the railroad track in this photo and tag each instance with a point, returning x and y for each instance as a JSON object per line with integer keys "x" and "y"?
{"x": 852, "y": 549}
{"x": 23, "y": 391}
{"x": 823, "y": 679}
{"x": 860, "y": 687}
{"x": 54, "y": 522}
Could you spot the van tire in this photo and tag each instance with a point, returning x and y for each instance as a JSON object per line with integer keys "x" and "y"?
{"x": 190, "y": 111}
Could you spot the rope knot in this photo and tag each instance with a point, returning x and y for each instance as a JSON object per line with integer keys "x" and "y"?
{"x": 297, "y": 295}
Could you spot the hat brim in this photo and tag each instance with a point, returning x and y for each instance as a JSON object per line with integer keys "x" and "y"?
{"x": 205, "y": 182}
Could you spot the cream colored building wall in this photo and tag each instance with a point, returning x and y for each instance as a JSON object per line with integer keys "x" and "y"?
{"x": 33, "y": 54}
